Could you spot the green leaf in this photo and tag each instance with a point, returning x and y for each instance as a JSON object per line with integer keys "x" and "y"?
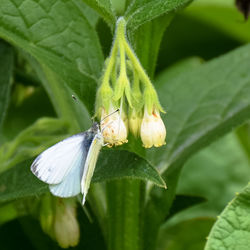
{"x": 104, "y": 9}
{"x": 219, "y": 101}
{"x": 69, "y": 46}
{"x": 61, "y": 97}
{"x": 225, "y": 17}
{"x": 231, "y": 230}
{"x": 130, "y": 166}
{"x": 6, "y": 72}
{"x": 212, "y": 172}
{"x": 244, "y": 137}
{"x": 202, "y": 104}
{"x": 19, "y": 182}
{"x": 141, "y": 11}
{"x": 182, "y": 202}
{"x": 173, "y": 71}
{"x": 32, "y": 141}
{"x": 186, "y": 235}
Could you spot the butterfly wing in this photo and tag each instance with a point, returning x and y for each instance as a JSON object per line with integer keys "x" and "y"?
{"x": 90, "y": 164}
{"x": 71, "y": 184}
{"x": 55, "y": 163}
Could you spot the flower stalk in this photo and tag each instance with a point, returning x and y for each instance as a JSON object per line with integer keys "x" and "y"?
{"x": 125, "y": 84}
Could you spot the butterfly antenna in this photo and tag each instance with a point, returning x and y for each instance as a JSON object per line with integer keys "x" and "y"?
{"x": 109, "y": 115}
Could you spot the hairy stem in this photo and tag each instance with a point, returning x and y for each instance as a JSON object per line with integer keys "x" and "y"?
{"x": 123, "y": 214}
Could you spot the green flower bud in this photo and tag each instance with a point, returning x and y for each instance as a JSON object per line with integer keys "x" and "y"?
{"x": 135, "y": 120}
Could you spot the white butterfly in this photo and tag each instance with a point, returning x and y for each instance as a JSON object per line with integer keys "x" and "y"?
{"x": 68, "y": 166}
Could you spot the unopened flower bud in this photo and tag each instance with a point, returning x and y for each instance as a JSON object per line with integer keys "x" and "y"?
{"x": 114, "y": 128}
{"x": 153, "y": 131}
{"x": 66, "y": 227}
{"x": 135, "y": 122}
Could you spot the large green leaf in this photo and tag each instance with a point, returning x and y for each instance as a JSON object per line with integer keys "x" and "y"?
{"x": 61, "y": 97}
{"x": 209, "y": 174}
{"x": 202, "y": 104}
{"x": 141, "y": 11}
{"x": 6, "y": 71}
{"x": 225, "y": 17}
{"x": 212, "y": 172}
{"x": 19, "y": 182}
{"x": 58, "y": 34}
{"x": 104, "y": 8}
{"x": 244, "y": 137}
{"x": 232, "y": 229}
{"x": 183, "y": 202}
{"x": 186, "y": 235}
{"x": 130, "y": 166}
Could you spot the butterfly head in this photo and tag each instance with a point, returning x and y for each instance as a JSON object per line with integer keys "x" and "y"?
{"x": 95, "y": 127}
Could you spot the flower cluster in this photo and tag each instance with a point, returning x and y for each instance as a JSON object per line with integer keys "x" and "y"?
{"x": 126, "y": 86}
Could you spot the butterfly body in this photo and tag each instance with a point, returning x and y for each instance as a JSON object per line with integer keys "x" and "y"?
{"x": 68, "y": 166}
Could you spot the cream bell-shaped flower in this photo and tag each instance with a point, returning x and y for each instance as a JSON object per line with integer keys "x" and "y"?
{"x": 113, "y": 127}
{"x": 153, "y": 131}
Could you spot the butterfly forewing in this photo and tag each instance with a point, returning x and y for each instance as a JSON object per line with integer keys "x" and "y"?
{"x": 55, "y": 163}
{"x": 68, "y": 166}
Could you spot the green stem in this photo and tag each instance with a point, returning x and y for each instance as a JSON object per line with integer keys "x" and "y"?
{"x": 123, "y": 215}
{"x": 122, "y": 53}
{"x": 144, "y": 77}
{"x": 111, "y": 64}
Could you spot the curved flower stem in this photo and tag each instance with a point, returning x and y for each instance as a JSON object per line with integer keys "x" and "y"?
{"x": 122, "y": 53}
{"x": 111, "y": 63}
{"x": 131, "y": 55}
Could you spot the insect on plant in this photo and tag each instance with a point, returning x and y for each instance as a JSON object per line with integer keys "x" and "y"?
{"x": 69, "y": 165}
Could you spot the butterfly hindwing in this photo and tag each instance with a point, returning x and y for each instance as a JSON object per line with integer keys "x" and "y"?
{"x": 70, "y": 186}
{"x": 55, "y": 163}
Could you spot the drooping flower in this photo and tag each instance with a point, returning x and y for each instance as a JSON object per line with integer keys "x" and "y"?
{"x": 58, "y": 219}
{"x": 66, "y": 227}
{"x": 113, "y": 127}
{"x": 153, "y": 131}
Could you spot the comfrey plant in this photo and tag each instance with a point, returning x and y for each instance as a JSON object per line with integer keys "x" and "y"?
{"x": 126, "y": 85}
